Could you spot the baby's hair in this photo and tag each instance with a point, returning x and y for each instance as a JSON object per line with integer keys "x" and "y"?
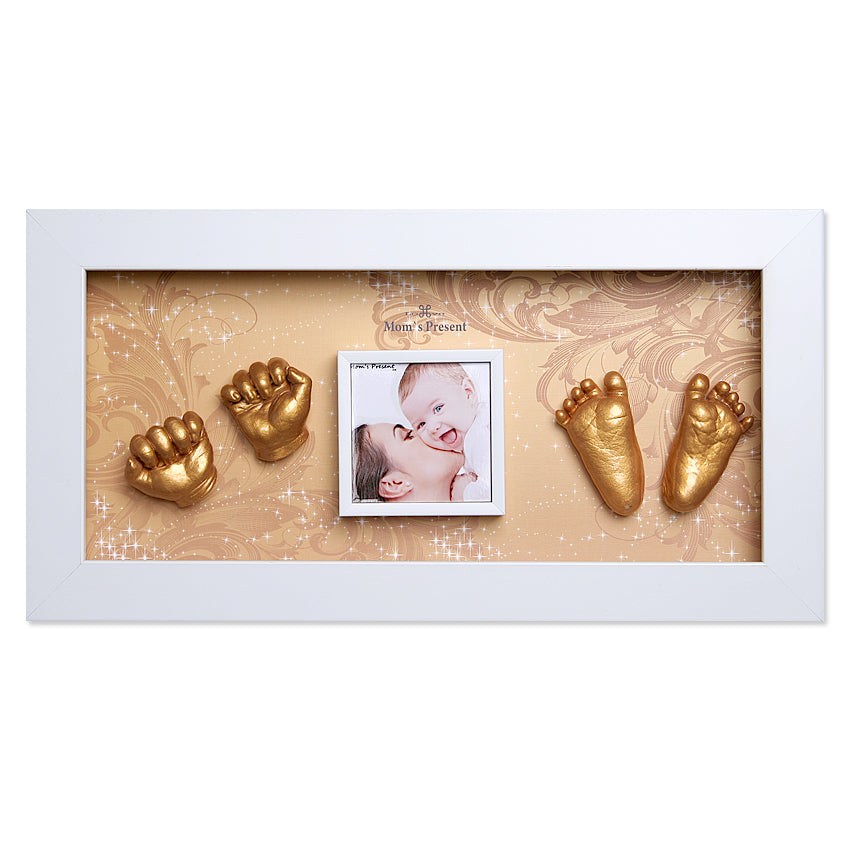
{"x": 414, "y": 371}
{"x": 371, "y": 464}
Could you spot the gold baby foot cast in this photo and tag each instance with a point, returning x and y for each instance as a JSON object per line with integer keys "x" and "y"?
{"x": 601, "y": 428}
{"x": 270, "y": 403}
{"x": 173, "y": 461}
{"x": 708, "y": 432}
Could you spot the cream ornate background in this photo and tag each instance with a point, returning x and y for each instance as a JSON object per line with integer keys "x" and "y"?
{"x": 163, "y": 343}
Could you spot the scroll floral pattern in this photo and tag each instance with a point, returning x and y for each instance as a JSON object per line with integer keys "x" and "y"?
{"x": 153, "y": 343}
{"x": 162, "y": 343}
{"x": 657, "y": 329}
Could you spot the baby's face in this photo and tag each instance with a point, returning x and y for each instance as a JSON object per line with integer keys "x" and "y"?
{"x": 441, "y": 411}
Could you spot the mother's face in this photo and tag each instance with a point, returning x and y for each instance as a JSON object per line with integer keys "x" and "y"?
{"x": 417, "y": 472}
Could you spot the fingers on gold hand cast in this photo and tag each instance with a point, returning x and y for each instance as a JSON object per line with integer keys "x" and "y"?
{"x": 173, "y": 461}
{"x": 270, "y": 402}
{"x": 600, "y": 426}
{"x": 709, "y": 431}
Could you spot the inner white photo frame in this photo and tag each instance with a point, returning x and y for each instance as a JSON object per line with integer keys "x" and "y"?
{"x": 785, "y": 245}
{"x": 485, "y": 366}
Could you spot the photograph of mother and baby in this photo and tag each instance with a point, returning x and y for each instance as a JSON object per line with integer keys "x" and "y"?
{"x": 424, "y": 433}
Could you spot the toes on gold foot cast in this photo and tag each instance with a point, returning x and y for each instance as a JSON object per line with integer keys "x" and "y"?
{"x": 600, "y": 425}
{"x": 173, "y": 461}
{"x": 712, "y": 423}
{"x": 270, "y": 402}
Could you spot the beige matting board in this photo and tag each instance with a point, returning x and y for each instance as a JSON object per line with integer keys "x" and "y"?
{"x": 159, "y": 344}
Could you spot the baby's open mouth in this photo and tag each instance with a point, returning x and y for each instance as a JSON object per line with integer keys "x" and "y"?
{"x": 449, "y": 437}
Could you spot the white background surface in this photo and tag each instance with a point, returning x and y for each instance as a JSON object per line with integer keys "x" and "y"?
{"x": 423, "y": 736}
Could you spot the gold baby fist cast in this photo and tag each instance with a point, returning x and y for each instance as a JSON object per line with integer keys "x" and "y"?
{"x": 270, "y": 403}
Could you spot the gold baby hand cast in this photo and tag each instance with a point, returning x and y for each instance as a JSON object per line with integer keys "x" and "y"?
{"x": 173, "y": 461}
{"x": 270, "y": 403}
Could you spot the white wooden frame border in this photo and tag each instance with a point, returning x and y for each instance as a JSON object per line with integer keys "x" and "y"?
{"x": 786, "y": 245}
{"x": 494, "y": 357}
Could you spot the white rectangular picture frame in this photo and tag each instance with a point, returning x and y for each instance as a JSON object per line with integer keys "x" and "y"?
{"x": 494, "y": 358}
{"x": 787, "y": 246}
